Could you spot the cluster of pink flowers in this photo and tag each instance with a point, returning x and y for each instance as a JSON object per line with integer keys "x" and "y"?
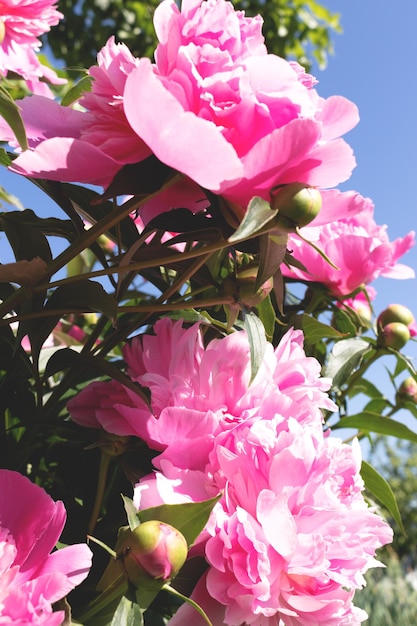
{"x": 211, "y": 81}
{"x": 291, "y": 537}
{"x": 22, "y": 22}
{"x": 358, "y": 247}
{"x": 31, "y": 578}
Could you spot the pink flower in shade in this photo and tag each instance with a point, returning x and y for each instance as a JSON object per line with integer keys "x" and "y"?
{"x": 236, "y": 120}
{"x": 22, "y": 22}
{"x": 292, "y": 535}
{"x": 31, "y": 578}
{"x": 359, "y": 248}
{"x": 88, "y": 146}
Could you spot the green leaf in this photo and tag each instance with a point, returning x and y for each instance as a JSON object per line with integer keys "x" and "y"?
{"x": 189, "y": 518}
{"x": 372, "y": 422}
{"x": 5, "y": 158}
{"x": 271, "y": 254}
{"x": 77, "y": 91}
{"x": 315, "y": 331}
{"x": 267, "y": 316}
{"x": 84, "y": 295}
{"x": 344, "y": 358}
{"x": 131, "y": 512}
{"x": 257, "y": 340}
{"x": 380, "y": 488}
{"x": 128, "y": 613}
{"x": 10, "y": 112}
{"x": 27, "y": 242}
{"x": 258, "y": 214}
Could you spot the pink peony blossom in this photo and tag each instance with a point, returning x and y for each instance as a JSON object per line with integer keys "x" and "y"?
{"x": 359, "y": 248}
{"x": 87, "y": 146}
{"x": 22, "y": 22}
{"x": 293, "y": 535}
{"x": 214, "y": 105}
{"x": 235, "y": 119}
{"x": 195, "y": 389}
{"x": 32, "y": 579}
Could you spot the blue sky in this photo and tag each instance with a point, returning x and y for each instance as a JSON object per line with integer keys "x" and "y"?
{"x": 374, "y": 66}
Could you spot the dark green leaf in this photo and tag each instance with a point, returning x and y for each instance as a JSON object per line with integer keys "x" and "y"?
{"x": 372, "y": 422}
{"x": 77, "y": 90}
{"x": 380, "y": 488}
{"x": 272, "y": 249}
{"x": 344, "y": 358}
{"x": 267, "y": 316}
{"x": 189, "y": 518}
{"x": 10, "y": 112}
{"x": 257, "y": 215}
{"x": 5, "y": 158}
{"x": 27, "y": 242}
{"x": 257, "y": 340}
{"x": 315, "y": 331}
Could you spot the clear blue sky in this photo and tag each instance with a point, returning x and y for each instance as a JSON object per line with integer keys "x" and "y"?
{"x": 373, "y": 65}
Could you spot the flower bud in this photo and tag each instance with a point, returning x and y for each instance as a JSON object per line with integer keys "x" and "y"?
{"x": 407, "y": 391}
{"x": 395, "y": 313}
{"x": 298, "y": 204}
{"x": 242, "y": 288}
{"x": 393, "y": 335}
{"x": 153, "y": 550}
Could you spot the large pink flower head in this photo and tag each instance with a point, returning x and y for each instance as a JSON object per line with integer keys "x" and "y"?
{"x": 196, "y": 390}
{"x": 235, "y": 119}
{"x": 293, "y": 535}
{"x": 215, "y": 106}
{"x": 31, "y": 578}
{"x": 22, "y": 22}
{"x": 360, "y": 249}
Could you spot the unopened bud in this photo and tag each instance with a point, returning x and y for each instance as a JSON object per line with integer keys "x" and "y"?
{"x": 407, "y": 391}
{"x": 298, "y": 204}
{"x": 395, "y": 313}
{"x": 393, "y": 335}
{"x": 242, "y": 288}
{"x": 153, "y": 550}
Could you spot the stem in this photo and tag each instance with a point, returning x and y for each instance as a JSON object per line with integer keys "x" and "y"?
{"x": 101, "y": 485}
{"x": 197, "y": 607}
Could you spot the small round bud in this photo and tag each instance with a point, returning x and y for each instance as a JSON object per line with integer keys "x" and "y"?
{"x": 153, "y": 550}
{"x": 395, "y": 313}
{"x": 243, "y": 287}
{"x": 407, "y": 391}
{"x": 393, "y": 335}
{"x": 298, "y": 204}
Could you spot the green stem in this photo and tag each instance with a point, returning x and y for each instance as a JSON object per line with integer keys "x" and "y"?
{"x": 197, "y": 607}
{"x": 101, "y": 486}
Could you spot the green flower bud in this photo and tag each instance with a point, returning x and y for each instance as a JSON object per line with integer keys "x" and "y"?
{"x": 298, "y": 204}
{"x": 243, "y": 287}
{"x": 153, "y": 550}
{"x": 393, "y": 335}
{"x": 407, "y": 391}
{"x": 395, "y": 313}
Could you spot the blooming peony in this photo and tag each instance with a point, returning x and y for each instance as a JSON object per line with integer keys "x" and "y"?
{"x": 21, "y": 23}
{"x": 214, "y": 106}
{"x": 32, "y": 579}
{"x": 234, "y": 118}
{"x": 359, "y": 248}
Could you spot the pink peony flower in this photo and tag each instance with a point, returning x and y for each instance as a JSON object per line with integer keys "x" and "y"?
{"x": 87, "y": 146}
{"x": 22, "y": 22}
{"x": 292, "y": 536}
{"x": 195, "y": 389}
{"x": 214, "y": 105}
{"x": 235, "y": 119}
{"x": 32, "y": 579}
{"x": 359, "y": 248}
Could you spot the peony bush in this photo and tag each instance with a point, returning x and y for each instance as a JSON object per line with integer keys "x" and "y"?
{"x": 196, "y": 340}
